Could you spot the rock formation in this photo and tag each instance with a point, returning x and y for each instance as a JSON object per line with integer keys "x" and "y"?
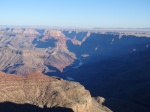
{"x": 23, "y": 50}
{"x": 40, "y": 90}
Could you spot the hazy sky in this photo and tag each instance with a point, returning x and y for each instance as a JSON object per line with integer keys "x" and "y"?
{"x": 76, "y": 13}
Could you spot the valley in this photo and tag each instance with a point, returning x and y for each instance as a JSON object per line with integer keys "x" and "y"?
{"x": 113, "y": 64}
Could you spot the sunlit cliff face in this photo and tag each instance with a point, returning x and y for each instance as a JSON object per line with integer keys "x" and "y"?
{"x": 44, "y": 91}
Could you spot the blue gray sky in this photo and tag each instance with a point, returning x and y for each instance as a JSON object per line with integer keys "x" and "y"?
{"x": 76, "y": 13}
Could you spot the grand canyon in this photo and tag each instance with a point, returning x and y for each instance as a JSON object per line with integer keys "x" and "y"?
{"x": 79, "y": 70}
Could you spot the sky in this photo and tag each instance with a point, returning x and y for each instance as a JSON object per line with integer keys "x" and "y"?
{"x": 76, "y": 13}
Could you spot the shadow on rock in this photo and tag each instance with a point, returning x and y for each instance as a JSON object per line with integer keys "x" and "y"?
{"x": 13, "y": 107}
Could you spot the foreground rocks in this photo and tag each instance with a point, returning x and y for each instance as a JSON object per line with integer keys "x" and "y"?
{"x": 44, "y": 91}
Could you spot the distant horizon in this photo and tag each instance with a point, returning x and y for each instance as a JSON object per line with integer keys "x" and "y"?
{"x": 48, "y": 26}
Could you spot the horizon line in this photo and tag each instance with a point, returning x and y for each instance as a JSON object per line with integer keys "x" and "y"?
{"x": 70, "y": 27}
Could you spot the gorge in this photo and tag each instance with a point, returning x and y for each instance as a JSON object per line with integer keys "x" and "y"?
{"x": 111, "y": 64}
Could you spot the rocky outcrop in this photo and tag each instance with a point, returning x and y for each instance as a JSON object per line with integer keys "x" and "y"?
{"x": 21, "y": 62}
{"x": 15, "y": 30}
{"x": 40, "y": 90}
{"x": 61, "y": 56}
{"x": 31, "y": 32}
{"x": 59, "y": 36}
{"x": 22, "y": 31}
{"x": 54, "y": 34}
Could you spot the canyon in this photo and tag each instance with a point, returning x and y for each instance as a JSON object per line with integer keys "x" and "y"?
{"x": 111, "y": 64}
